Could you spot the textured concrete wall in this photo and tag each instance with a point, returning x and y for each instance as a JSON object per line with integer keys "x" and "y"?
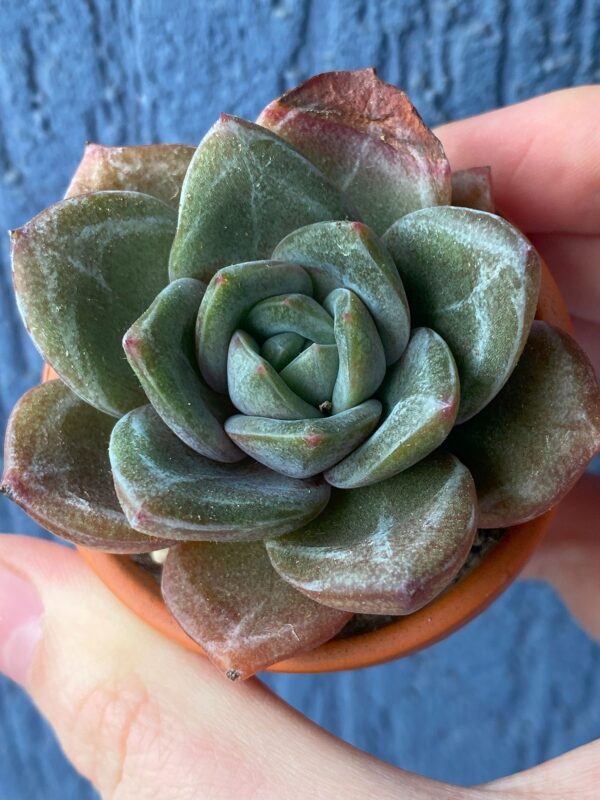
{"x": 521, "y": 683}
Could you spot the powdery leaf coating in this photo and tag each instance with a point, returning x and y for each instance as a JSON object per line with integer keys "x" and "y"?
{"x": 160, "y": 347}
{"x": 349, "y": 255}
{"x": 313, "y": 373}
{"x": 154, "y": 169}
{"x": 168, "y": 490}
{"x": 302, "y": 448}
{"x": 368, "y": 138}
{"x": 472, "y": 188}
{"x": 388, "y": 548}
{"x": 244, "y": 191}
{"x": 84, "y": 270}
{"x": 282, "y": 348}
{"x": 531, "y": 444}
{"x": 291, "y": 313}
{"x": 230, "y": 295}
{"x": 420, "y": 397}
{"x": 56, "y": 468}
{"x": 475, "y": 280}
{"x": 255, "y": 388}
{"x": 230, "y": 600}
{"x": 361, "y": 354}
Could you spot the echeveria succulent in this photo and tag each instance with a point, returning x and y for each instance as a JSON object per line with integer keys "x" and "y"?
{"x": 312, "y": 382}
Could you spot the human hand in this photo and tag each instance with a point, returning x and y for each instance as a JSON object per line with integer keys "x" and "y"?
{"x": 546, "y": 178}
{"x": 142, "y": 718}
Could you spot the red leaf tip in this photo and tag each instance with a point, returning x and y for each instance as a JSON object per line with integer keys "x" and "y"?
{"x": 131, "y": 343}
{"x": 313, "y": 439}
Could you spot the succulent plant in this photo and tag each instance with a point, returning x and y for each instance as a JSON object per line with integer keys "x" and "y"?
{"x": 302, "y": 357}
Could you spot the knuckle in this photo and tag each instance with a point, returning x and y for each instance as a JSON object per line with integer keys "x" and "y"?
{"x": 114, "y": 726}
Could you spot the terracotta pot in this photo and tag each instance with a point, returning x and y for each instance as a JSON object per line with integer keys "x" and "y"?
{"x": 454, "y": 608}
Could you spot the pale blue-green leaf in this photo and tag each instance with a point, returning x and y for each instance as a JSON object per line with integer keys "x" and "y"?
{"x": 349, "y": 255}
{"x": 420, "y": 397}
{"x": 295, "y": 313}
{"x": 302, "y": 448}
{"x": 475, "y": 280}
{"x": 312, "y": 374}
{"x": 360, "y": 351}
{"x": 161, "y": 350}
{"x": 255, "y": 388}
{"x": 230, "y": 295}
{"x": 389, "y": 548}
{"x": 168, "y": 490}
{"x": 282, "y": 348}
{"x": 244, "y": 191}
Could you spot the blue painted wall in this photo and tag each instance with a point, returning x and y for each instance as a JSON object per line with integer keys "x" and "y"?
{"x": 521, "y": 683}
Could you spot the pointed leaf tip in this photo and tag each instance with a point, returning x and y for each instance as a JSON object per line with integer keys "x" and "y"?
{"x": 420, "y": 397}
{"x": 160, "y": 347}
{"x": 245, "y": 189}
{"x": 230, "y": 600}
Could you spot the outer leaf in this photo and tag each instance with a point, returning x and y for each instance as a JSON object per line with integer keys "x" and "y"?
{"x": 475, "y": 280}
{"x": 361, "y": 354}
{"x": 389, "y": 548}
{"x": 255, "y": 387}
{"x": 312, "y": 374}
{"x": 160, "y": 348}
{"x": 57, "y": 470}
{"x": 229, "y": 296}
{"x": 368, "y": 138}
{"x": 282, "y": 348}
{"x": 302, "y": 448}
{"x": 154, "y": 169}
{"x": 168, "y": 490}
{"x": 349, "y": 255}
{"x": 84, "y": 270}
{"x": 295, "y": 313}
{"x": 231, "y": 601}
{"x": 420, "y": 401}
{"x": 244, "y": 191}
{"x": 531, "y": 444}
{"x": 472, "y": 188}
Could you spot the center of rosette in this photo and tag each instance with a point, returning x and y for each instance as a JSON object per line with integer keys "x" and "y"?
{"x": 291, "y": 357}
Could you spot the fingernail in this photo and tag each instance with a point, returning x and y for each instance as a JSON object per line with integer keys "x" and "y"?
{"x": 20, "y": 624}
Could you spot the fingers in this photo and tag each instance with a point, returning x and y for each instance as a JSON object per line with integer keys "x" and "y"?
{"x": 109, "y": 687}
{"x": 544, "y": 159}
{"x": 588, "y": 336}
{"x": 575, "y": 264}
{"x": 570, "y": 556}
{"x": 142, "y": 718}
{"x": 574, "y": 775}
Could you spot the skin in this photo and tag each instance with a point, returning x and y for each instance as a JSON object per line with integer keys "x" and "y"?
{"x": 135, "y": 732}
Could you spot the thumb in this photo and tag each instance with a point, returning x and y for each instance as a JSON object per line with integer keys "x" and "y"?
{"x": 141, "y": 717}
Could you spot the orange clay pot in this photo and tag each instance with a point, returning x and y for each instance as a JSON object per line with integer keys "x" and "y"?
{"x": 448, "y": 612}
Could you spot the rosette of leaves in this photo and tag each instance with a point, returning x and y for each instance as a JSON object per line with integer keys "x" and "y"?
{"x": 302, "y": 357}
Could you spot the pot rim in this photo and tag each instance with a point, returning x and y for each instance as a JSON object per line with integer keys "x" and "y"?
{"x": 459, "y": 604}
